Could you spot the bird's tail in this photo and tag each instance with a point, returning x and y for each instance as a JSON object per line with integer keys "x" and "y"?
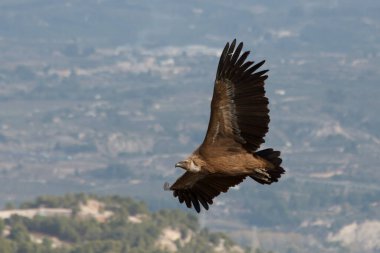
{"x": 269, "y": 175}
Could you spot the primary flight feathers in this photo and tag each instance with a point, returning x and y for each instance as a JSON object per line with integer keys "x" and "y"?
{"x": 238, "y": 123}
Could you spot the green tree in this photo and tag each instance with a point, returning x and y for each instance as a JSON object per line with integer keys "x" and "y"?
{"x": 2, "y": 226}
{"x": 6, "y": 246}
{"x": 19, "y": 233}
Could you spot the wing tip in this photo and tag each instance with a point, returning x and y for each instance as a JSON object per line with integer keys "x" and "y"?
{"x": 233, "y": 64}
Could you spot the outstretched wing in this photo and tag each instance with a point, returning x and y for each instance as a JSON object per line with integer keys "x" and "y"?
{"x": 239, "y": 108}
{"x": 197, "y": 189}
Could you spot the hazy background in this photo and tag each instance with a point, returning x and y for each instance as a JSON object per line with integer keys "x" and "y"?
{"x": 106, "y": 96}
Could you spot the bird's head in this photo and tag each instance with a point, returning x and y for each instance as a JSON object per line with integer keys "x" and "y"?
{"x": 188, "y": 165}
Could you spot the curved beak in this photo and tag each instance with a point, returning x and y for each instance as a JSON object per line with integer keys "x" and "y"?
{"x": 166, "y": 186}
{"x": 180, "y": 165}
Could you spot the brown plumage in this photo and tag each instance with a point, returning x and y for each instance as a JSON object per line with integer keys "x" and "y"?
{"x": 238, "y": 123}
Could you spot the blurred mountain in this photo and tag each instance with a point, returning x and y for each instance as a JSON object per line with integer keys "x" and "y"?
{"x": 77, "y": 223}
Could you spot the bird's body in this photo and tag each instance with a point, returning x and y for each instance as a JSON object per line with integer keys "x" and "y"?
{"x": 238, "y": 161}
{"x": 238, "y": 123}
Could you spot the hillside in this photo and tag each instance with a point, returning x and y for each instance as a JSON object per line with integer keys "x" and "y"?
{"x": 88, "y": 223}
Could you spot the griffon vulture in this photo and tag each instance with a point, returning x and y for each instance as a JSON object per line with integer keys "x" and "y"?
{"x": 238, "y": 123}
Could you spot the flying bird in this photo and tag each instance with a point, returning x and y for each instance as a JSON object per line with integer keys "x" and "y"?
{"x": 238, "y": 123}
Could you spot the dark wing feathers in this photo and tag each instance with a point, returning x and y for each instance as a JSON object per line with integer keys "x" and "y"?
{"x": 236, "y": 54}
{"x": 222, "y": 58}
{"x": 242, "y": 58}
{"x": 196, "y": 190}
{"x": 239, "y": 108}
